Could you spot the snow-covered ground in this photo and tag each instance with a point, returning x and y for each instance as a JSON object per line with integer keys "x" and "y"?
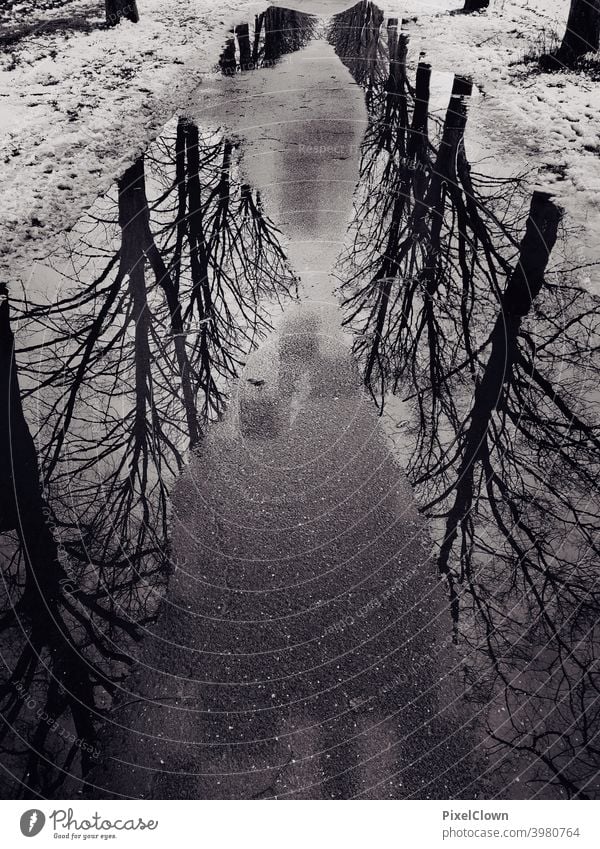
{"x": 15, "y": 12}
{"x": 547, "y": 125}
{"x": 77, "y": 106}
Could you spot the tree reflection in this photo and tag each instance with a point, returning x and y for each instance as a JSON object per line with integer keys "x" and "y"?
{"x": 276, "y": 32}
{"x": 167, "y": 286}
{"x": 447, "y": 290}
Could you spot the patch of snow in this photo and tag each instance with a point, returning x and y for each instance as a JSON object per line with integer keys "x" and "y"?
{"x": 76, "y": 108}
{"x": 546, "y": 125}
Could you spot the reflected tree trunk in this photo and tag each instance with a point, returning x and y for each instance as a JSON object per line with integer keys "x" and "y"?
{"x": 22, "y": 504}
{"x": 396, "y": 114}
{"x": 243, "y": 36}
{"x": 258, "y": 25}
{"x": 133, "y": 211}
{"x": 417, "y": 143}
{"x": 47, "y": 587}
{"x": 137, "y": 244}
{"x": 228, "y": 61}
{"x": 523, "y": 287}
{"x": 19, "y": 475}
{"x": 273, "y": 22}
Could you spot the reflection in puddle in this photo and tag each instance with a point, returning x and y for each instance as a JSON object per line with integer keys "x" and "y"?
{"x": 157, "y": 299}
{"x": 275, "y": 33}
{"x": 493, "y": 349}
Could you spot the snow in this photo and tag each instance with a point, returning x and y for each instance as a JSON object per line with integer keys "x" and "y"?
{"x": 76, "y": 107}
{"x": 16, "y": 11}
{"x": 546, "y": 125}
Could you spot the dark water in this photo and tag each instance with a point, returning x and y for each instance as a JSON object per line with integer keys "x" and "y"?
{"x": 484, "y": 329}
{"x": 156, "y": 301}
{"x": 273, "y": 34}
{"x": 476, "y": 339}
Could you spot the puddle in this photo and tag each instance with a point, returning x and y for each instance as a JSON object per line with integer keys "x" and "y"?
{"x": 128, "y": 344}
{"x": 262, "y": 44}
{"x": 279, "y": 654}
{"x": 489, "y": 394}
{"x": 126, "y": 348}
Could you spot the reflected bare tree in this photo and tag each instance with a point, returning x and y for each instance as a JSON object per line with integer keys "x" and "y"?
{"x": 276, "y": 32}
{"x": 166, "y": 287}
{"x": 356, "y": 36}
{"x": 454, "y": 307}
